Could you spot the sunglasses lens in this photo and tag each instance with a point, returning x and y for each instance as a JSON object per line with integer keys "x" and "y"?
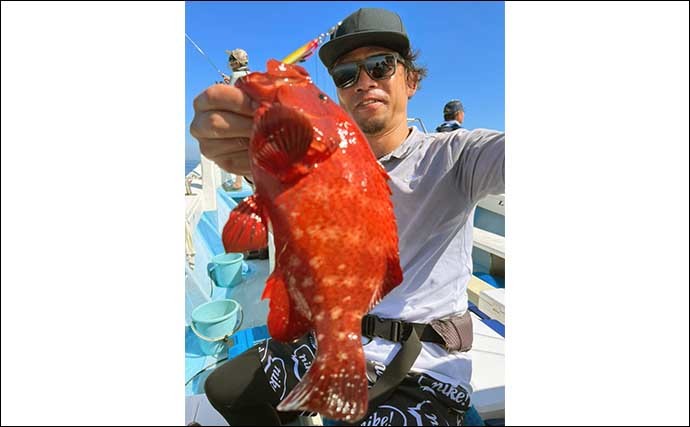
{"x": 380, "y": 67}
{"x": 345, "y": 74}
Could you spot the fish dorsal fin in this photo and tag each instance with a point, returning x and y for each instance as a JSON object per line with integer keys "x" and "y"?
{"x": 283, "y": 136}
{"x": 245, "y": 229}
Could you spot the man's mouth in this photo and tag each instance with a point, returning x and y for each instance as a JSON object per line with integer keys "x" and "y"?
{"x": 368, "y": 102}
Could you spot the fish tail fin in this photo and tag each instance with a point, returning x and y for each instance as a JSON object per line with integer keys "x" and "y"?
{"x": 336, "y": 387}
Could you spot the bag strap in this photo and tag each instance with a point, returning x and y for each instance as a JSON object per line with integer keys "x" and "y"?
{"x": 393, "y": 330}
{"x": 410, "y": 347}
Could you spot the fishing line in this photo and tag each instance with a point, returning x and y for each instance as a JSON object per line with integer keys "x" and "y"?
{"x": 206, "y": 56}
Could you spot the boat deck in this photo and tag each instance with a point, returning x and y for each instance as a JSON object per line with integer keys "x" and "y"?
{"x": 487, "y": 353}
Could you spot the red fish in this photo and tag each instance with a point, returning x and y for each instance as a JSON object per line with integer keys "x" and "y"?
{"x": 320, "y": 188}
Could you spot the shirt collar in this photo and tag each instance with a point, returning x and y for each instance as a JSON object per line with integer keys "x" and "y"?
{"x": 405, "y": 149}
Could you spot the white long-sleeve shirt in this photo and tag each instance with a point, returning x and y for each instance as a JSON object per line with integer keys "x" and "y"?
{"x": 437, "y": 180}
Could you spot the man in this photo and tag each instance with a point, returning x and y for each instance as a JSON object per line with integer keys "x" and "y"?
{"x": 453, "y": 114}
{"x": 238, "y": 62}
{"x": 436, "y": 180}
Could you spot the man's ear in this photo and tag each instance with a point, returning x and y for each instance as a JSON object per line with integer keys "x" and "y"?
{"x": 412, "y": 82}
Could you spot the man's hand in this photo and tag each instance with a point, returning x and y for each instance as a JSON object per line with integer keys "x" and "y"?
{"x": 223, "y": 126}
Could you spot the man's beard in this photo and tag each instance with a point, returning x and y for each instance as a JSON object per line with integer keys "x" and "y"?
{"x": 372, "y": 126}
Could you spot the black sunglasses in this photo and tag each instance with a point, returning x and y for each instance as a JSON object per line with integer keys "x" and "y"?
{"x": 378, "y": 67}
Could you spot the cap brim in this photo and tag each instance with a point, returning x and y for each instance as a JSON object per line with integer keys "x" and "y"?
{"x": 336, "y": 48}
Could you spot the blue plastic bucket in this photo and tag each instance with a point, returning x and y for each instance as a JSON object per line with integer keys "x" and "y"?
{"x": 213, "y": 322}
{"x": 225, "y": 270}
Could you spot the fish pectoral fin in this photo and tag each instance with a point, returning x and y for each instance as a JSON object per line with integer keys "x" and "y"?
{"x": 246, "y": 229}
{"x": 282, "y": 136}
{"x": 285, "y": 323}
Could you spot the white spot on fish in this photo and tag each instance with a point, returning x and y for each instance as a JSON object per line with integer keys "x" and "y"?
{"x": 342, "y": 133}
{"x": 347, "y": 298}
{"x": 300, "y": 303}
{"x": 307, "y": 282}
{"x": 341, "y": 267}
{"x": 320, "y": 336}
{"x": 318, "y": 298}
{"x": 341, "y": 336}
{"x": 319, "y": 317}
{"x": 286, "y": 79}
{"x": 330, "y": 281}
{"x": 316, "y": 262}
{"x": 342, "y": 355}
{"x": 281, "y": 67}
{"x": 313, "y": 230}
{"x": 336, "y": 312}
{"x": 298, "y": 233}
{"x": 349, "y": 282}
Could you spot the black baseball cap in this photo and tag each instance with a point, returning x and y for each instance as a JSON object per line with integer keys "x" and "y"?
{"x": 366, "y": 27}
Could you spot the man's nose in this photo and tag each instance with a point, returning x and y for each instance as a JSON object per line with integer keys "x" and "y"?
{"x": 365, "y": 82}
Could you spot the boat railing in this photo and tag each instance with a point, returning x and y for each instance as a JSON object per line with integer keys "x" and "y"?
{"x": 416, "y": 119}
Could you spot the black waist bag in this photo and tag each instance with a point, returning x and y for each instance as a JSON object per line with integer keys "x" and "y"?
{"x": 453, "y": 334}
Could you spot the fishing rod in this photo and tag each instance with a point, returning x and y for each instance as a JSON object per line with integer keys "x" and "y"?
{"x": 299, "y": 55}
{"x": 223, "y": 75}
{"x": 308, "y": 49}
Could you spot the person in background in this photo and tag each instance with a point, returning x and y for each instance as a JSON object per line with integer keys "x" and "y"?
{"x": 453, "y": 114}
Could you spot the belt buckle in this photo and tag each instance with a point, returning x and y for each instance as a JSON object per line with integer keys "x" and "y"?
{"x": 368, "y": 326}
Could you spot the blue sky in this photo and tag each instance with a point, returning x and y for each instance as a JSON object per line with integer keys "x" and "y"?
{"x": 461, "y": 43}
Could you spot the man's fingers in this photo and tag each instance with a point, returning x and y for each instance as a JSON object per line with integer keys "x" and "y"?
{"x": 238, "y": 165}
{"x": 213, "y": 148}
{"x": 220, "y": 125}
{"x": 225, "y": 98}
